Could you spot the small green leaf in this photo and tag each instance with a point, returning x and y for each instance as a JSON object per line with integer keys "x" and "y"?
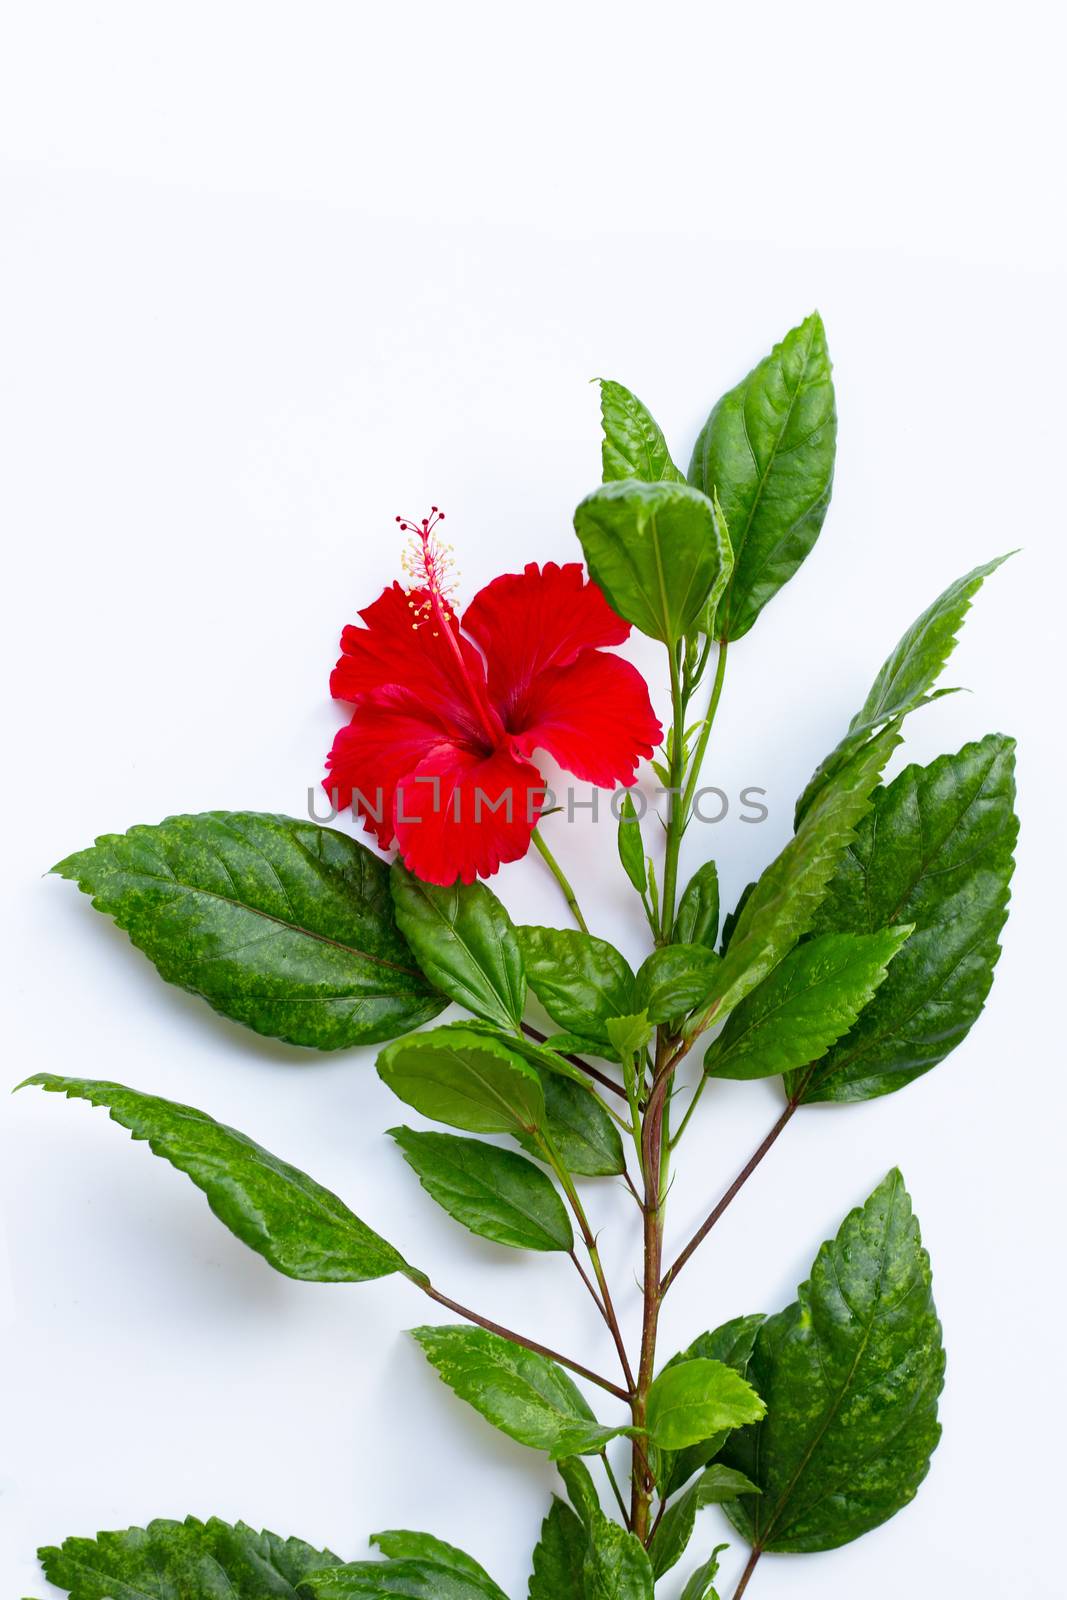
{"x": 631, "y": 846}
{"x": 851, "y": 1372}
{"x": 768, "y": 450}
{"x": 616, "y": 1566}
{"x": 715, "y": 1486}
{"x": 634, "y": 446}
{"x": 656, "y": 550}
{"x": 399, "y": 1544}
{"x": 524, "y": 1394}
{"x": 630, "y": 1035}
{"x": 674, "y": 980}
{"x": 465, "y": 943}
{"x": 559, "y": 1556}
{"x": 580, "y": 1487}
{"x": 936, "y": 852}
{"x": 808, "y": 1001}
{"x": 199, "y": 1560}
{"x": 580, "y": 981}
{"x": 697, "y": 921}
{"x": 581, "y": 1131}
{"x": 693, "y": 1399}
{"x": 495, "y": 1193}
{"x": 302, "y": 1229}
{"x": 280, "y": 925}
{"x": 730, "y": 921}
{"x": 466, "y": 1079}
{"x": 700, "y": 1584}
{"x": 731, "y": 1343}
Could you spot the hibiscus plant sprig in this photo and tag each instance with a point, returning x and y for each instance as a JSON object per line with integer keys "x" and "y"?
{"x": 855, "y": 963}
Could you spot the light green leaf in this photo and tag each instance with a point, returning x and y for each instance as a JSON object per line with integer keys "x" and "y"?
{"x": 693, "y": 1399}
{"x": 399, "y": 1544}
{"x": 559, "y": 1556}
{"x": 616, "y": 1566}
{"x": 634, "y": 446}
{"x": 936, "y": 853}
{"x": 697, "y": 921}
{"x": 630, "y": 1035}
{"x": 408, "y": 1578}
{"x": 851, "y": 1372}
{"x": 495, "y": 1193}
{"x": 656, "y": 550}
{"x": 302, "y": 1229}
{"x": 674, "y": 980}
{"x": 768, "y": 450}
{"x": 465, "y": 944}
{"x": 808, "y": 1001}
{"x": 631, "y": 846}
{"x": 580, "y": 1487}
{"x": 199, "y": 1560}
{"x": 700, "y": 1584}
{"x": 466, "y": 1079}
{"x": 281, "y": 925}
{"x": 909, "y": 672}
{"x": 580, "y": 981}
{"x": 524, "y": 1394}
{"x": 732, "y": 1344}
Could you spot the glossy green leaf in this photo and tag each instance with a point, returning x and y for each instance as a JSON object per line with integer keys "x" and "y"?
{"x": 697, "y": 919}
{"x": 700, "y": 1585}
{"x": 732, "y": 1344}
{"x": 908, "y": 674}
{"x": 630, "y": 1035}
{"x": 559, "y": 1556}
{"x": 465, "y": 944}
{"x": 634, "y": 446}
{"x": 715, "y": 1486}
{"x": 278, "y": 924}
{"x": 466, "y": 1079}
{"x": 632, "y": 846}
{"x": 675, "y": 980}
{"x": 693, "y": 1399}
{"x": 581, "y": 1489}
{"x": 188, "y": 1560}
{"x": 851, "y": 1372}
{"x": 783, "y": 904}
{"x": 582, "y": 1133}
{"x": 935, "y": 852}
{"x": 580, "y": 981}
{"x": 400, "y": 1544}
{"x": 768, "y": 450}
{"x": 408, "y": 1577}
{"x": 525, "y": 1395}
{"x": 493, "y": 1192}
{"x": 656, "y": 550}
{"x": 730, "y": 921}
{"x": 302, "y": 1229}
{"x": 808, "y": 1001}
{"x": 616, "y": 1566}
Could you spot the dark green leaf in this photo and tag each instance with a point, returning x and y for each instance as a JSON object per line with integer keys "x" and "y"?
{"x": 851, "y": 1372}
{"x": 768, "y": 450}
{"x": 495, "y": 1193}
{"x": 616, "y": 1566}
{"x": 690, "y": 1400}
{"x": 301, "y": 1228}
{"x": 699, "y": 1586}
{"x": 632, "y": 847}
{"x": 581, "y": 1131}
{"x": 465, "y": 944}
{"x": 936, "y": 852}
{"x": 715, "y": 1486}
{"x": 466, "y": 1079}
{"x": 559, "y": 1556}
{"x": 634, "y": 446}
{"x": 580, "y": 981}
{"x": 657, "y": 550}
{"x": 730, "y": 921}
{"x": 674, "y": 980}
{"x": 808, "y": 1001}
{"x": 697, "y": 921}
{"x": 909, "y": 672}
{"x": 187, "y": 1560}
{"x": 400, "y": 1544}
{"x": 524, "y": 1394}
{"x": 281, "y": 925}
{"x": 731, "y": 1343}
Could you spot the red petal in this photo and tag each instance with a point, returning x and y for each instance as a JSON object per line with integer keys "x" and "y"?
{"x": 446, "y": 826}
{"x": 529, "y": 622}
{"x": 385, "y": 741}
{"x": 390, "y": 650}
{"x": 594, "y": 717}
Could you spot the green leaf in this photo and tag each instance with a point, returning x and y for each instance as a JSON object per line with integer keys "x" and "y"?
{"x": 466, "y": 1079}
{"x": 697, "y": 920}
{"x": 674, "y": 980}
{"x": 851, "y": 1372}
{"x": 699, "y": 1586}
{"x": 524, "y": 1394}
{"x": 935, "y": 852}
{"x": 730, "y": 921}
{"x": 768, "y": 450}
{"x": 580, "y": 1487}
{"x": 465, "y": 944}
{"x": 656, "y": 550}
{"x": 559, "y": 1556}
{"x": 783, "y": 904}
{"x": 715, "y": 1486}
{"x": 808, "y": 1001}
{"x": 634, "y": 446}
{"x": 732, "y": 1344}
{"x": 581, "y": 1131}
{"x": 630, "y": 1035}
{"x": 616, "y": 1566}
{"x": 908, "y": 673}
{"x": 692, "y": 1399}
{"x": 408, "y": 1578}
{"x": 580, "y": 981}
{"x": 199, "y": 1560}
{"x": 281, "y": 925}
{"x": 631, "y": 846}
{"x": 495, "y": 1193}
{"x": 400, "y": 1544}
{"x": 302, "y": 1229}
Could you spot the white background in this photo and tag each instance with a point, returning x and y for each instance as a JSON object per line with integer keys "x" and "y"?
{"x": 273, "y": 273}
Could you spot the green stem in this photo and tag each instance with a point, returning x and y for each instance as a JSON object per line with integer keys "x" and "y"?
{"x": 676, "y": 817}
{"x": 705, "y": 733}
{"x": 560, "y": 877}
{"x": 690, "y": 1108}
{"x": 615, "y": 1487}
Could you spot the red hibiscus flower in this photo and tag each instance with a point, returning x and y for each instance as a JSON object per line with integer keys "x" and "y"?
{"x": 437, "y": 755}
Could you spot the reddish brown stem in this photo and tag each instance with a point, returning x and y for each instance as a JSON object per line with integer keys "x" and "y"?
{"x": 576, "y": 1061}
{"x": 746, "y": 1575}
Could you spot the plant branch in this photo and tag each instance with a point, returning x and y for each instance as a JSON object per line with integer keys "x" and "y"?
{"x": 561, "y": 878}
{"x": 607, "y": 1309}
{"x": 615, "y": 1489}
{"x": 576, "y": 1061}
{"x": 746, "y": 1575}
{"x": 705, "y": 734}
